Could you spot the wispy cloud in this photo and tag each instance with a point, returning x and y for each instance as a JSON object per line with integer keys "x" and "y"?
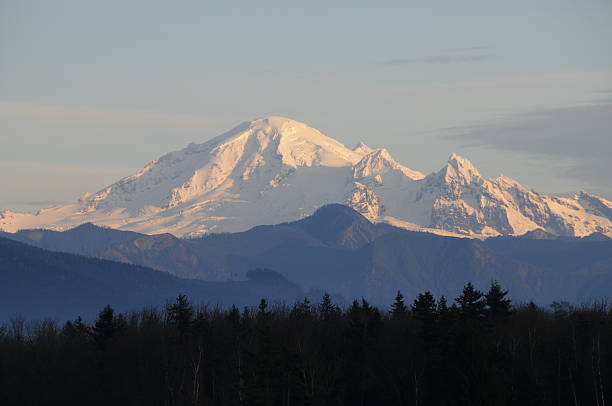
{"x": 438, "y": 59}
{"x": 469, "y": 49}
{"x": 450, "y": 55}
{"x": 577, "y": 140}
{"x": 46, "y": 184}
{"x": 59, "y": 169}
{"x": 14, "y": 110}
{"x": 32, "y": 203}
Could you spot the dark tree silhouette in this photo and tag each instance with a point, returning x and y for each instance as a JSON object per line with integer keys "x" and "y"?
{"x": 399, "y": 309}
{"x": 180, "y": 314}
{"x": 498, "y": 306}
{"x": 327, "y": 309}
{"x": 106, "y": 326}
{"x": 424, "y": 307}
{"x": 478, "y": 351}
{"x": 471, "y": 303}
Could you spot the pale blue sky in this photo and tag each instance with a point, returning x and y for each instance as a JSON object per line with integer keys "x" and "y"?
{"x": 91, "y": 91}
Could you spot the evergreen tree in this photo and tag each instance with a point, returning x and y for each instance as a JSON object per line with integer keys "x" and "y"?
{"x": 120, "y": 322}
{"x": 442, "y": 357}
{"x": 180, "y": 314}
{"x": 263, "y": 307}
{"x": 442, "y": 306}
{"x": 234, "y": 316}
{"x": 355, "y": 308}
{"x": 398, "y": 308}
{"x": 424, "y": 307}
{"x": 561, "y": 308}
{"x": 424, "y": 310}
{"x": 446, "y": 317}
{"x": 327, "y": 309}
{"x": 374, "y": 325}
{"x": 261, "y": 358}
{"x": 76, "y": 330}
{"x": 538, "y": 357}
{"x": 532, "y": 307}
{"x": 201, "y": 325}
{"x": 471, "y": 303}
{"x": 498, "y": 306}
{"x": 105, "y": 326}
{"x": 365, "y": 307}
{"x": 301, "y": 309}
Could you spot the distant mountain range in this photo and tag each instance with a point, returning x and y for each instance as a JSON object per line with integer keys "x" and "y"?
{"x": 276, "y": 170}
{"x": 39, "y": 283}
{"x": 336, "y": 250}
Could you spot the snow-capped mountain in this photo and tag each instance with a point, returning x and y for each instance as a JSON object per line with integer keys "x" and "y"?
{"x": 274, "y": 169}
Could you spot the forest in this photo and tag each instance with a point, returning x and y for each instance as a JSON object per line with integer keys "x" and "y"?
{"x": 478, "y": 349}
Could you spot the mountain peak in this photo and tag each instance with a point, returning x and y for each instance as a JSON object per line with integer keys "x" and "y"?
{"x": 266, "y": 149}
{"x": 337, "y": 210}
{"x": 268, "y": 124}
{"x": 87, "y": 226}
{"x": 337, "y": 224}
{"x": 461, "y": 163}
{"x": 378, "y": 161}
{"x": 275, "y": 123}
{"x": 269, "y": 127}
{"x": 383, "y": 153}
{"x": 507, "y": 182}
{"x": 538, "y": 234}
{"x": 362, "y": 148}
{"x": 274, "y": 169}
{"x": 295, "y": 142}
{"x": 460, "y": 168}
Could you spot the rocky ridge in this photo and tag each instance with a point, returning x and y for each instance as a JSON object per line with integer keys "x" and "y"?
{"x": 275, "y": 169}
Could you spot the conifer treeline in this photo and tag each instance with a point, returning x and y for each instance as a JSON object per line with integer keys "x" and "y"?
{"x": 477, "y": 350}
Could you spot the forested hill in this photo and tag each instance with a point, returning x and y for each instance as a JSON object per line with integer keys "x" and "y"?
{"x": 478, "y": 349}
{"x": 338, "y": 250}
{"x": 40, "y": 283}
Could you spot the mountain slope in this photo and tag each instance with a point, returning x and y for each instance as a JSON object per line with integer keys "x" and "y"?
{"x": 416, "y": 262}
{"x": 275, "y": 170}
{"x": 39, "y": 283}
{"x": 561, "y": 255}
{"x": 339, "y": 250}
{"x": 86, "y": 239}
{"x": 333, "y": 225}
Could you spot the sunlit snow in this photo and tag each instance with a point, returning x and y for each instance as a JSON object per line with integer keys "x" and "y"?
{"x": 275, "y": 169}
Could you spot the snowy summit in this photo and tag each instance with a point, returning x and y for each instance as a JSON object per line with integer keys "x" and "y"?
{"x": 275, "y": 169}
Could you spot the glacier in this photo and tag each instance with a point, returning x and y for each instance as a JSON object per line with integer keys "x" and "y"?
{"x": 274, "y": 169}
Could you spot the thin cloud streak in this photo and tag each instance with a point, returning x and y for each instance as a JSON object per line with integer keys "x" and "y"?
{"x": 14, "y": 110}
{"x": 440, "y": 59}
{"x": 467, "y": 49}
{"x": 33, "y": 203}
{"x": 575, "y": 140}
